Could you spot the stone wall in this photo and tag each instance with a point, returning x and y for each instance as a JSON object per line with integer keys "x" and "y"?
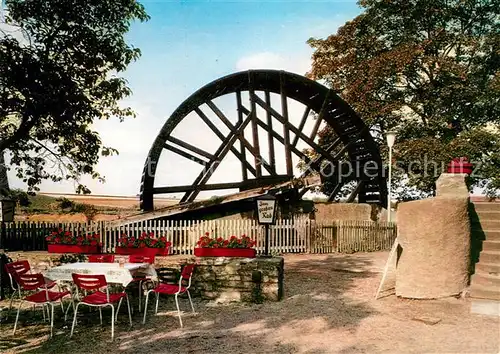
{"x": 342, "y": 211}
{"x": 221, "y": 279}
{"x": 227, "y": 279}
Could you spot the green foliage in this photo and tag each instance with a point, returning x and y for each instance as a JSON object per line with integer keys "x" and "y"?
{"x": 89, "y": 210}
{"x": 20, "y": 197}
{"x": 4, "y": 278}
{"x": 41, "y": 204}
{"x": 60, "y": 78}
{"x": 62, "y": 237}
{"x": 65, "y": 203}
{"x": 72, "y": 258}
{"x": 428, "y": 69}
{"x": 257, "y": 297}
{"x": 144, "y": 240}
{"x": 206, "y": 241}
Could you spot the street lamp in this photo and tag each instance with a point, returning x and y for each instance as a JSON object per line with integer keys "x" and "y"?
{"x": 391, "y": 138}
{"x": 266, "y": 212}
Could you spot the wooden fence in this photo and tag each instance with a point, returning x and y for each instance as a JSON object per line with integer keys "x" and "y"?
{"x": 287, "y": 236}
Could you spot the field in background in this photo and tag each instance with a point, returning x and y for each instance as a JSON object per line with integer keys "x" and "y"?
{"x": 109, "y": 201}
{"x": 47, "y": 207}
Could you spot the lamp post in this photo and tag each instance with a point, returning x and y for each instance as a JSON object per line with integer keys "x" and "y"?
{"x": 266, "y": 212}
{"x": 391, "y": 138}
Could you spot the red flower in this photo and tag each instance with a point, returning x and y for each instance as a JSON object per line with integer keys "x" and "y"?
{"x": 233, "y": 242}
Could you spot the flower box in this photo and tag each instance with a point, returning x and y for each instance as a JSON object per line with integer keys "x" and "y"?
{"x": 224, "y": 252}
{"x": 73, "y": 249}
{"x": 146, "y": 244}
{"x": 143, "y": 251}
{"x": 61, "y": 241}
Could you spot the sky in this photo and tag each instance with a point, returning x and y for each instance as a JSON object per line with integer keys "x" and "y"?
{"x": 186, "y": 45}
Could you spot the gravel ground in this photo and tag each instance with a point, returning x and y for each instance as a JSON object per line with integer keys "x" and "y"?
{"x": 329, "y": 307}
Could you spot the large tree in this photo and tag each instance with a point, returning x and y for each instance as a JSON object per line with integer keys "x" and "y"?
{"x": 428, "y": 69}
{"x": 60, "y": 62}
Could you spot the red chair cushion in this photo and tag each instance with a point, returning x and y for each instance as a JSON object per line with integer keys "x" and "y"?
{"x": 99, "y": 298}
{"x": 169, "y": 289}
{"x": 41, "y": 297}
{"x": 50, "y": 284}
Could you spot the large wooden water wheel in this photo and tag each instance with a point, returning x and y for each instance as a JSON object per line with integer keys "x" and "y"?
{"x": 260, "y": 133}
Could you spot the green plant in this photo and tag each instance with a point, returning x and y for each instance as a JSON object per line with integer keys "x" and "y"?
{"x": 257, "y": 296}
{"x": 428, "y": 69}
{"x": 89, "y": 211}
{"x": 61, "y": 237}
{"x": 218, "y": 242}
{"x": 4, "y": 279}
{"x": 145, "y": 240}
{"x": 60, "y": 71}
{"x": 72, "y": 258}
{"x": 65, "y": 203}
{"x": 20, "y": 197}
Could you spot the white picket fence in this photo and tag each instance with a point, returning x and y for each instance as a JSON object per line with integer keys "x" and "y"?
{"x": 286, "y": 236}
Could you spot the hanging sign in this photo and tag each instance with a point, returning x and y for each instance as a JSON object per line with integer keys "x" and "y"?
{"x": 266, "y": 209}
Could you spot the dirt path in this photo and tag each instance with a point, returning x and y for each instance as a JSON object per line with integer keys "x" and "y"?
{"x": 329, "y": 307}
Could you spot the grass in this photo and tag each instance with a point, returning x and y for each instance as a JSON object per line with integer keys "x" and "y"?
{"x": 42, "y": 204}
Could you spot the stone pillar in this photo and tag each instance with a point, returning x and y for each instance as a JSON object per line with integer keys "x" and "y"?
{"x": 435, "y": 238}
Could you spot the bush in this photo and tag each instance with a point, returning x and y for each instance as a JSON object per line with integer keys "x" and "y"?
{"x": 65, "y": 203}
{"x": 20, "y": 197}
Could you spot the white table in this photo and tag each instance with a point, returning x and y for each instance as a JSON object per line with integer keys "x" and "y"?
{"x": 112, "y": 271}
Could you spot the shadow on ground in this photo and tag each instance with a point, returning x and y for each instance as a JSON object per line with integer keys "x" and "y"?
{"x": 314, "y": 302}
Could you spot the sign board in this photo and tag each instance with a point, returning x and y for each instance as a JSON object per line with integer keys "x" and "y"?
{"x": 266, "y": 210}
{"x": 7, "y": 210}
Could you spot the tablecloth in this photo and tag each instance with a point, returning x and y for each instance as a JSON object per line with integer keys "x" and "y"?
{"x": 112, "y": 271}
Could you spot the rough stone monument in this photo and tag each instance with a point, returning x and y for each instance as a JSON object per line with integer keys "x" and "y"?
{"x": 434, "y": 235}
